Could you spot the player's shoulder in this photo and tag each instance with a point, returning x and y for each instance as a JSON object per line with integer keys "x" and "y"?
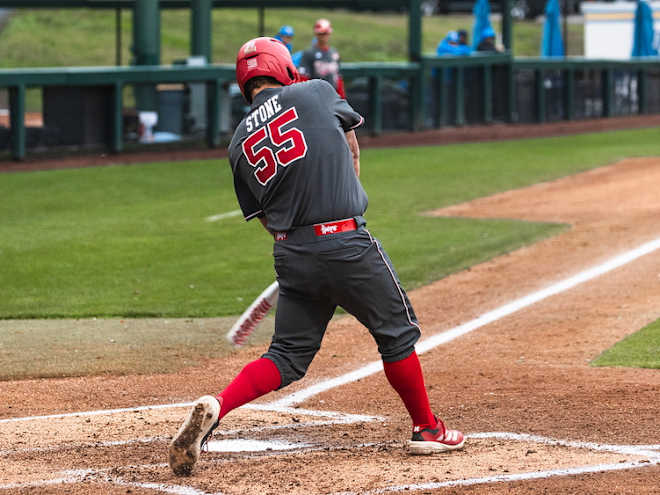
{"x": 310, "y": 89}
{"x": 314, "y": 86}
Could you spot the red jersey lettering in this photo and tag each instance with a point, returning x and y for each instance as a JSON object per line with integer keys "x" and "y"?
{"x": 292, "y": 140}
{"x": 263, "y": 154}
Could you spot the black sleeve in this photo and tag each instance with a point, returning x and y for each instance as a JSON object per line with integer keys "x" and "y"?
{"x": 246, "y": 200}
{"x": 348, "y": 118}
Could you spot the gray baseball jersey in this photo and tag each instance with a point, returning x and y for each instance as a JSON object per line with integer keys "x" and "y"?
{"x": 320, "y": 64}
{"x": 290, "y": 158}
{"x": 292, "y": 164}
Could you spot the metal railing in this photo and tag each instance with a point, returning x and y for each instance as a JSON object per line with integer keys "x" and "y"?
{"x": 17, "y": 81}
{"x": 435, "y": 92}
{"x": 566, "y": 89}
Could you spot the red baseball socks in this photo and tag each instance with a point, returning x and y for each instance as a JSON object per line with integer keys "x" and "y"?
{"x": 255, "y": 379}
{"x": 407, "y": 379}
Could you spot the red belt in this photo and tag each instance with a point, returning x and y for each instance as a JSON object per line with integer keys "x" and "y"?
{"x": 335, "y": 227}
{"x": 321, "y": 229}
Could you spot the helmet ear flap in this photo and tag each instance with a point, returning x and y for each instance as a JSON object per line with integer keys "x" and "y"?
{"x": 288, "y": 71}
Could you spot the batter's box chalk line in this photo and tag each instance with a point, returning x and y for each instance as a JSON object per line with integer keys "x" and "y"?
{"x": 651, "y": 457}
{"x": 426, "y": 345}
{"x": 340, "y": 416}
{"x": 333, "y": 418}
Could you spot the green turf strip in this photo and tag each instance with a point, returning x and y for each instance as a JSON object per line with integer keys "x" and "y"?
{"x": 58, "y": 348}
{"x": 133, "y": 240}
{"x": 70, "y": 37}
{"x": 86, "y": 37}
{"x": 639, "y": 350}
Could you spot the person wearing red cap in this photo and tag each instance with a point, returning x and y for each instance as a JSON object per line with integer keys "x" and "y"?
{"x": 295, "y": 160}
{"x": 321, "y": 61}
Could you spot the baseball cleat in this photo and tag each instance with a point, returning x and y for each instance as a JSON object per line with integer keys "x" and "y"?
{"x": 193, "y": 434}
{"x": 439, "y": 439}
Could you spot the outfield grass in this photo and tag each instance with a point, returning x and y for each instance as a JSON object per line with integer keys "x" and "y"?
{"x": 71, "y": 37}
{"x": 85, "y": 37}
{"x": 639, "y": 350}
{"x": 133, "y": 240}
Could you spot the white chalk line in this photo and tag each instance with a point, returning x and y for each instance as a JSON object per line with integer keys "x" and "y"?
{"x": 485, "y": 319}
{"x": 432, "y": 342}
{"x": 650, "y": 447}
{"x": 101, "y": 474}
{"x": 41, "y": 483}
{"x": 598, "y": 447}
{"x": 186, "y": 490}
{"x": 505, "y": 478}
{"x": 221, "y": 216}
{"x": 160, "y": 487}
{"x": 652, "y": 458}
{"x": 70, "y": 476}
{"x": 260, "y": 407}
{"x": 425, "y": 345}
{"x": 99, "y": 412}
{"x": 93, "y": 476}
{"x": 637, "y": 450}
{"x": 70, "y": 446}
{"x": 338, "y": 420}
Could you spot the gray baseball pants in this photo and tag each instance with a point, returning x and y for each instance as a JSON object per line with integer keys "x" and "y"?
{"x": 318, "y": 273}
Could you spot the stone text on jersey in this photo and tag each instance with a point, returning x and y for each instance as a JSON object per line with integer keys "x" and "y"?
{"x": 263, "y": 113}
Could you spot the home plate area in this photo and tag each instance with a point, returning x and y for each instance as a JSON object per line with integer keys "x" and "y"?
{"x": 261, "y": 449}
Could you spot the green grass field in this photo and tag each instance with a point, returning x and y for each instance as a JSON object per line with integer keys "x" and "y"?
{"x": 639, "y": 350}
{"x": 132, "y": 241}
{"x": 70, "y": 37}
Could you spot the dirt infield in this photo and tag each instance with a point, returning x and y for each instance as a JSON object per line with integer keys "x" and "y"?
{"x": 538, "y": 417}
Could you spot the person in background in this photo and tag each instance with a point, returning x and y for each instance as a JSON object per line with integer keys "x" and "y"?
{"x": 321, "y": 61}
{"x": 455, "y": 43}
{"x": 285, "y": 35}
{"x": 487, "y": 43}
{"x": 462, "y": 37}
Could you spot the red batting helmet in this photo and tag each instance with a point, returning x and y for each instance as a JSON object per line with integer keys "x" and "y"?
{"x": 264, "y": 57}
{"x": 322, "y": 26}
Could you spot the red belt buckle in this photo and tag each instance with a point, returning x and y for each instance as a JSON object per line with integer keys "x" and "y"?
{"x": 335, "y": 227}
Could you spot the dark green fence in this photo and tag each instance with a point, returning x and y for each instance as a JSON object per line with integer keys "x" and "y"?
{"x": 551, "y": 90}
{"x": 112, "y": 81}
{"x": 467, "y": 90}
{"x": 387, "y": 94}
{"x": 435, "y": 92}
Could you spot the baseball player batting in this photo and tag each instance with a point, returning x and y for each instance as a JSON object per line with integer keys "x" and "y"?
{"x": 295, "y": 160}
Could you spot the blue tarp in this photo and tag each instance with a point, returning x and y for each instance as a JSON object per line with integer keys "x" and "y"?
{"x": 643, "y": 33}
{"x": 449, "y": 46}
{"x": 481, "y": 13}
{"x": 552, "y": 44}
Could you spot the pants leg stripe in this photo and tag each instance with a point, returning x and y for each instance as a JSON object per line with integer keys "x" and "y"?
{"x": 389, "y": 268}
